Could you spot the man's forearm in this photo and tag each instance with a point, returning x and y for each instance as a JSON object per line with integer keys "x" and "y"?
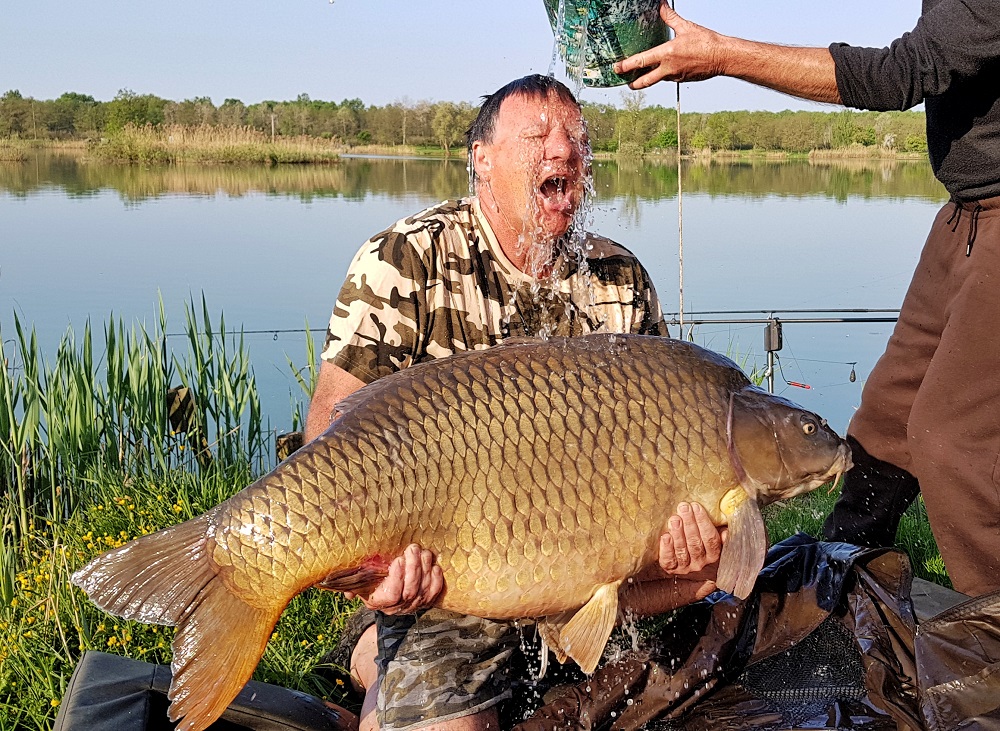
{"x": 807, "y": 73}
{"x": 697, "y": 53}
{"x": 648, "y": 598}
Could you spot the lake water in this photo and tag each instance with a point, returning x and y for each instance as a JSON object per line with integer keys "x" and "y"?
{"x": 270, "y": 247}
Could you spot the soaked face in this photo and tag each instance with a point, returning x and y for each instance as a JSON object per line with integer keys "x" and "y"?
{"x": 531, "y": 175}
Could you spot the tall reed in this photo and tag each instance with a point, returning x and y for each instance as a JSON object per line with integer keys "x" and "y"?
{"x": 209, "y": 144}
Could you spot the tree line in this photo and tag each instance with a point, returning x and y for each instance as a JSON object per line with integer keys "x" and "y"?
{"x": 631, "y": 128}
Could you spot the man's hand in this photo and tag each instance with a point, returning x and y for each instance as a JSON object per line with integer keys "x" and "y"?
{"x": 414, "y": 582}
{"x": 692, "y": 545}
{"x": 687, "y": 567}
{"x": 694, "y": 54}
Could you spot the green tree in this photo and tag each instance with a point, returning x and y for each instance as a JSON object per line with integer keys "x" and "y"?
{"x": 129, "y": 108}
{"x": 15, "y": 114}
{"x": 449, "y": 124}
{"x": 233, "y": 113}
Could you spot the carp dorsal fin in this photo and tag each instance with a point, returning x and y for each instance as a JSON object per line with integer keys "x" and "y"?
{"x": 744, "y": 550}
{"x": 586, "y": 633}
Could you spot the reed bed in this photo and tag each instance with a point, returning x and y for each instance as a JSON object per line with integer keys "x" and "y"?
{"x": 12, "y": 151}
{"x": 209, "y": 144}
{"x": 101, "y": 445}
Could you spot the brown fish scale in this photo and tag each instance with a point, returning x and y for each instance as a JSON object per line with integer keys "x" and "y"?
{"x": 554, "y": 470}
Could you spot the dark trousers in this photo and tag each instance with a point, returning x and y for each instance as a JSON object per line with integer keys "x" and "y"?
{"x": 930, "y": 411}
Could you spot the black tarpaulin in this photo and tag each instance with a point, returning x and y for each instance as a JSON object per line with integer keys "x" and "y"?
{"x": 827, "y": 640}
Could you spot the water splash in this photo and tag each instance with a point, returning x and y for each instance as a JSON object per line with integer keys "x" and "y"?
{"x": 558, "y": 38}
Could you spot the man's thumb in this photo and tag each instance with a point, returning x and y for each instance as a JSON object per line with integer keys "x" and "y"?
{"x": 668, "y": 14}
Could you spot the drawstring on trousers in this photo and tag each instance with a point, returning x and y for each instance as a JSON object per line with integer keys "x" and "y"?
{"x": 956, "y": 217}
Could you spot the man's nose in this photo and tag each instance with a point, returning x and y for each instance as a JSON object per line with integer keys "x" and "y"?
{"x": 559, "y": 145}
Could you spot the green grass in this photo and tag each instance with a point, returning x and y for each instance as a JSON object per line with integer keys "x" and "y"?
{"x": 806, "y": 514}
{"x": 169, "y": 144}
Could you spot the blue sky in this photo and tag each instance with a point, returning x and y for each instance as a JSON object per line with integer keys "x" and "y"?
{"x": 378, "y": 50}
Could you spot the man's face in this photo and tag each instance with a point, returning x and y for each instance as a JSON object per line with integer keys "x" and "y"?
{"x": 532, "y": 173}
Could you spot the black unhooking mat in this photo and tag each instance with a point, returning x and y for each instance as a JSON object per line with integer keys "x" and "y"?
{"x": 827, "y": 640}
{"x": 113, "y": 693}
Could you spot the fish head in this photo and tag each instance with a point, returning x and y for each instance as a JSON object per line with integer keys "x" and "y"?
{"x": 779, "y": 449}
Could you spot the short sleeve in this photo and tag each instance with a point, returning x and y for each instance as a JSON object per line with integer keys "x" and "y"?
{"x": 374, "y": 329}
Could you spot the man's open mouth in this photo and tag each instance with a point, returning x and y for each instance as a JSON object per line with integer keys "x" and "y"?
{"x": 554, "y": 185}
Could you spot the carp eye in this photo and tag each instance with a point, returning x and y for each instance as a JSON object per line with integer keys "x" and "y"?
{"x": 809, "y": 428}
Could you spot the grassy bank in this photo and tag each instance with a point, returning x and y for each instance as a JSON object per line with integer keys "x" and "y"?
{"x": 209, "y": 144}
{"x": 99, "y": 445}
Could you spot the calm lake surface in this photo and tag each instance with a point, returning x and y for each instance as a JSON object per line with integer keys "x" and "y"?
{"x": 269, "y": 248}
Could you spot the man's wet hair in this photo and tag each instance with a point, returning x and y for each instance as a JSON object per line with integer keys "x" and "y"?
{"x": 534, "y": 86}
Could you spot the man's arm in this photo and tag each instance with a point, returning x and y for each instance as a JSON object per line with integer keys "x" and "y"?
{"x": 414, "y": 579}
{"x": 697, "y": 53}
{"x": 333, "y": 386}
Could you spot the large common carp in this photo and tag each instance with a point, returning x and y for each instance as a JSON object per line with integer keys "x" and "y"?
{"x": 541, "y": 473}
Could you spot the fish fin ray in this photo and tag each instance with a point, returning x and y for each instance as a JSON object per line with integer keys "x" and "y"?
{"x": 357, "y": 578}
{"x": 215, "y": 651}
{"x": 153, "y": 579}
{"x": 549, "y": 629}
{"x": 744, "y": 550}
{"x": 169, "y": 578}
{"x": 584, "y": 636}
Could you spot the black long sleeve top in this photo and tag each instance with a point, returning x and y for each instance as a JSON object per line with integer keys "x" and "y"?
{"x": 951, "y": 62}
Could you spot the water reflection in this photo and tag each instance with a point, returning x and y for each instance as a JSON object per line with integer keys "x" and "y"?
{"x": 354, "y": 178}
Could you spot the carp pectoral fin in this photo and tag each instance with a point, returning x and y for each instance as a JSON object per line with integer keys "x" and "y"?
{"x": 358, "y": 578}
{"x": 584, "y": 636}
{"x": 744, "y": 550}
{"x": 168, "y": 578}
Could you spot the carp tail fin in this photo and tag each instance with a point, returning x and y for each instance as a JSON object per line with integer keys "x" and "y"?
{"x": 153, "y": 579}
{"x": 215, "y": 651}
{"x": 744, "y": 550}
{"x": 169, "y": 578}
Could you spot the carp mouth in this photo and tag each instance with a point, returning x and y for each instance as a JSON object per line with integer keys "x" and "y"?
{"x": 793, "y": 467}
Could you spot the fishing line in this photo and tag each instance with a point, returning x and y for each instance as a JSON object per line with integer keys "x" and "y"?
{"x": 781, "y": 372}
{"x": 680, "y": 207}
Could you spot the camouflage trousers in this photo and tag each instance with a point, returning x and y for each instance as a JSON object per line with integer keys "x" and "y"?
{"x": 437, "y": 665}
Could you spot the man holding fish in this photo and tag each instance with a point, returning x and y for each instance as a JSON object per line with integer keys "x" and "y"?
{"x": 930, "y": 411}
{"x": 548, "y": 476}
{"x": 511, "y": 261}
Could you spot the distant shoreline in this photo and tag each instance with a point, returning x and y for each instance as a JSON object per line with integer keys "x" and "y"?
{"x": 157, "y": 148}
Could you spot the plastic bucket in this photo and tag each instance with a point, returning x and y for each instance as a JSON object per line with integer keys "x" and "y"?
{"x": 595, "y": 34}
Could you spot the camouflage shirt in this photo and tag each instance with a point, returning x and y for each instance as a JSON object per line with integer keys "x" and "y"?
{"x": 438, "y": 283}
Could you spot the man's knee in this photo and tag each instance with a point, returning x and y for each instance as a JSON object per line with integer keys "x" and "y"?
{"x": 364, "y": 671}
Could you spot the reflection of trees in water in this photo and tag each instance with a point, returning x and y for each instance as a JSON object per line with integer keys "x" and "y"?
{"x": 627, "y": 182}
{"x": 350, "y": 178}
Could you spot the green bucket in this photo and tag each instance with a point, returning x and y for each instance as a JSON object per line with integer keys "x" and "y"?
{"x": 596, "y": 33}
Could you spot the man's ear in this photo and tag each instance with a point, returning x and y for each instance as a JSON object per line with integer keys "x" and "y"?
{"x": 482, "y": 161}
